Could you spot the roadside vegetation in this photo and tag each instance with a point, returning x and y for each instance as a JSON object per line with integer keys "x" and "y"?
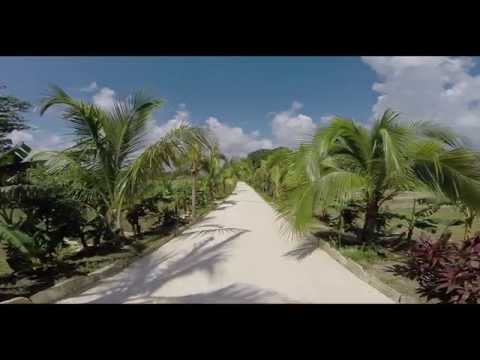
{"x": 397, "y": 196}
{"x": 400, "y": 198}
{"x": 108, "y": 196}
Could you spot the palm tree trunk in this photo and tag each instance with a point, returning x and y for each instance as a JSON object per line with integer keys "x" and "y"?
{"x": 194, "y": 192}
{"x": 83, "y": 240}
{"x": 113, "y": 227}
{"x": 411, "y": 226}
{"x": 369, "y": 226}
{"x": 468, "y": 224}
{"x": 118, "y": 219}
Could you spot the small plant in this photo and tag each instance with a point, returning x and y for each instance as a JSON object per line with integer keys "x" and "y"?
{"x": 362, "y": 254}
{"x": 444, "y": 271}
{"x": 138, "y": 247}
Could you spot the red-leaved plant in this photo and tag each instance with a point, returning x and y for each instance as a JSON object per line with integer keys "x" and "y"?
{"x": 444, "y": 271}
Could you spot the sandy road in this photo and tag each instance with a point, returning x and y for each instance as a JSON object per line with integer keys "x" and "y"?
{"x": 237, "y": 254}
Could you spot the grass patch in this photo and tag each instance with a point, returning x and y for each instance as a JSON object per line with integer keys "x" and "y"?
{"x": 377, "y": 265}
{"x": 362, "y": 255}
{"x": 73, "y": 264}
{"x": 83, "y": 262}
{"x": 403, "y": 203}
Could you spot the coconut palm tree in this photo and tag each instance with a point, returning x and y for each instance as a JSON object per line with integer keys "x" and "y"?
{"x": 212, "y": 165}
{"x": 276, "y": 169}
{"x": 227, "y": 177}
{"x": 243, "y": 169}
{"x": 106, "y": 165}
{"x": 194, "y": 159}
{"x": 261, "y": 177}
{"x": 346, "y": 161}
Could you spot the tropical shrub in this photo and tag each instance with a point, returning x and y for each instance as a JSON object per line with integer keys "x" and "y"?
{"x": 110, "y": 161}
{"x": 11, "y": 118}
{"x": 346, "y": 161}
{"x": 444, "y": 271}
{"x": 46, "y": 218}
{"x": 22, "y": 253}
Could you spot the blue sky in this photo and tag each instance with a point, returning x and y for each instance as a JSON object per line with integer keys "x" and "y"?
{"x": 253, "y": 102}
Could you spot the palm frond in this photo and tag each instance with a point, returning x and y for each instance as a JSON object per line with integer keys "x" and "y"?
{"x": 18, "y": 240}
{"x": 443, "y": 134}
{"x": 158, "y": 158}
{"x": 125, "y": 126}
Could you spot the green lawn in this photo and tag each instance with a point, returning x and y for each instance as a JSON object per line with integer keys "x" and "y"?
{"x": 377, "y": 266}
{"x": 403, "y": 205}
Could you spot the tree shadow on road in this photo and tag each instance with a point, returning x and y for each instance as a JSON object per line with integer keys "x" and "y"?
{"x": 304, "y": 249}
{"x": 149, "y": 274}
{"x": 232, "y": 294}
{"x": 226, "y": 205}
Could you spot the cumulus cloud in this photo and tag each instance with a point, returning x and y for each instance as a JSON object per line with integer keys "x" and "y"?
{"x": 91, "y": 87}
{"x": 326, "y": 118}
{"x": 441, "y": 89}
{"x": 290, "y": 127}
{"x": 155, "y": 131}
{"x": 105, "y": 98}
{"x": 39, "y": 139}
{"x": 233, "y": 141}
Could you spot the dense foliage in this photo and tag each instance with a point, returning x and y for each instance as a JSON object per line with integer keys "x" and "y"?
{"x": 11, "y": 118}
{"x": 114, "y": 178}
{"x": 345, "y": 178}
{"x": 445, "y": 271}
{"x": 346, "y": 162}
{"x": 110, "y": 177}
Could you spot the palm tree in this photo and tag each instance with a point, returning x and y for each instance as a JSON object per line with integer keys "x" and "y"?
{"x": 212, "y": 164}
{"x": 243, "y": 169}
{"x": 469, "y": 217}
{"x": 261, "y": 176}
{"x": 194, "y": 158}
{"x": 276, "y": 169}
{"x": 227, "y": 178}
{"x": 106, "y": 165}
{"x": 346, "y": 161}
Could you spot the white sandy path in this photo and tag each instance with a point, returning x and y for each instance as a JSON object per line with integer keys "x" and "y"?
{"x": 235, "y": 255}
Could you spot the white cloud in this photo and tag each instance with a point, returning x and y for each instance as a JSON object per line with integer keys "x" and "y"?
{"x": 91, "y": 87}
{"x": 155, "y": 132}
{"x": 233, "y": 141}
{"x": 39, "y": 139}
{"x": 442, "y": 89}
{"x": 326, "y": 118}
{"x": 19, "y": 136}
{"x": 105, "y": 98}
{"x": 290, "y": 128}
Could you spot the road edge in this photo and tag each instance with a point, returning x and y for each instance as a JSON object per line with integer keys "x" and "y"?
{"x": 79, "y": 284}
{"x": 358, "y": 270}
{"x": 352, "y": 266}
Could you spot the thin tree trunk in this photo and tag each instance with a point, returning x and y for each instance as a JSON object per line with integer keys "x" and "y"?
{"x": 118, "y": 220}
{"x": 83, "y": 241}
{"x": 369, "y": 227}
{"x": 96, "y": 241}
{"x": 411, "y": 226}
{"x": 194, "y": 192}
{"x": 468, "y": 224}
